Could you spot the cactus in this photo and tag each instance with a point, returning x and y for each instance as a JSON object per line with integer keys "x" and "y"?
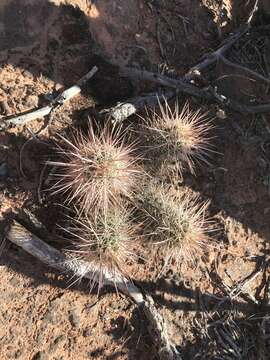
{"x": 105, "y": 241}
{"x": 177, "y": 140}
{"x": 176, "y": 223}
{"x": 96, "y": 170}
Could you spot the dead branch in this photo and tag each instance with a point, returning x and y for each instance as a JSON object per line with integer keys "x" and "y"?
{"x": 158, "y": 331}
{"x": 242, "y": 108}
{"x": 220, "y": 52}
{"x": 212, "y": 58}
{"x": 208, "y": 93}
{"x": 23, "y": 119}
{"x": 179, "y": 84}
{"x": 248, "y": 71}
{"x": 241, "y": 285}
{"x": 23, "y": 238}
{"x": 58, "y": 101}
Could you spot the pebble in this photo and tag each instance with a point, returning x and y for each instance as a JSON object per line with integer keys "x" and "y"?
{"x": 87, "y": 332}
{"x": 57, "y": 341}
{"x": 31, "y": 101}
{"x": 50, "y": 316}
{"x": 74, "y": 318}
{"x": 15, "y": 281}
{"x": 41, "y": 356}
{"x": 5, "y": 109}
{"x": 17, "y": 354}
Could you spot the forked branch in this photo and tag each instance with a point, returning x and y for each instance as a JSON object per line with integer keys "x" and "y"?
{"x": 213, "y": 57}
{"x": 208, "y": 93}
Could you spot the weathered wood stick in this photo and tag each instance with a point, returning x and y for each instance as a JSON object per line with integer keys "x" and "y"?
{"x": 25, "y": 118}
{"x": 58, "y": 101}
{"x": 212, "y": 58}
{"x": 209, "y": 93}
{"x": 229, "y": 42}
{"x": 122, "y": 111}
{"x": 23, "y": 238}
{"x": 253, "y": 74}
{"x": 179, "y": 84}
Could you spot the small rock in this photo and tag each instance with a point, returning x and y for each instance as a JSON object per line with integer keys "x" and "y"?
{"x": 49, "y": 316}
{"x": 74, "y": 318}
{"x": 5, "y": 109}
{"x": 40, "y": 338}
{"x": 87, "y": 332}
{"x": 3, "y": 95}
{"x": 31, "y": 101}
{"x": 27, "y": 74}
{"x": 15, "y": 281}
{"x": 17, "y": 354}
{"x": 40, "y": 356}
{"x": 58, "y": 87}
{"x": 221, "y": 114}
{"x": 57, "y": 341}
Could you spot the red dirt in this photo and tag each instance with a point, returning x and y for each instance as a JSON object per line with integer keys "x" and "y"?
{"x": 52, "y": 45}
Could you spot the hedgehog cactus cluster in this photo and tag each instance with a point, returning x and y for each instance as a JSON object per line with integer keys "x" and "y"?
{"x": 106, "y": 179}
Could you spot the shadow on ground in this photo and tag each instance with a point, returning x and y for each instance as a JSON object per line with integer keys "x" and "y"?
{"x": 56, "y": 42}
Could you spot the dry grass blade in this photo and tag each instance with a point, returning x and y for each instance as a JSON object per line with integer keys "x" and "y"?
{"x": 96, "y": 169}
{"x": 176, "y": 224}
{"x": 178, "y": 138}
{"x": 234, "y": 338}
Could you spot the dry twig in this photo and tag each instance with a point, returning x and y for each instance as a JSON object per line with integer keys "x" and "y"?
{"x": 179, "y": 84}
{"x": 215, "y": 56}
{"x": 208, "y": 93}
{"x": 251, "y": 73}
{"x": 212, "y": 58}
{"x": 44, "y": 111}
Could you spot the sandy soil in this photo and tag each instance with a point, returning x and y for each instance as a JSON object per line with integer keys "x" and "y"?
{"x": 43, "y": 315}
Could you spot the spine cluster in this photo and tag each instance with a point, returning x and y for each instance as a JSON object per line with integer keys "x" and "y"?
{"x": 106, "y": 184}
